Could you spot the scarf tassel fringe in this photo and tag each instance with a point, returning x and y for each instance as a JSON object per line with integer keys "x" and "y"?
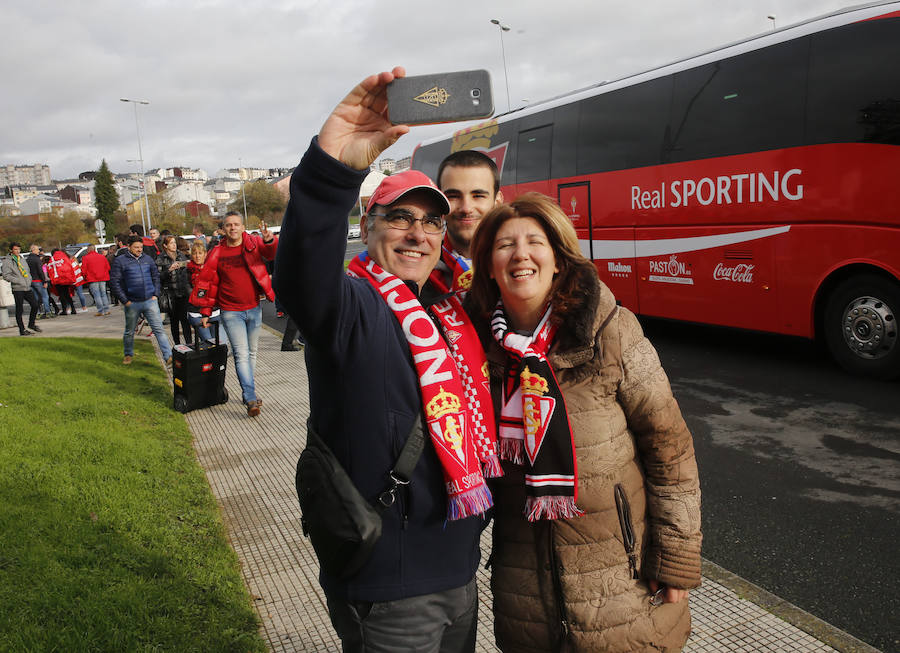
{"x": 490, "y": 468}
{"x": 513, "y": 450}
{"x": 551, "y": 508}
{"x": 473, "y": 502}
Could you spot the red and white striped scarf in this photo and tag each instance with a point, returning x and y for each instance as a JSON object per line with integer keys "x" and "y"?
{"x": 534, "y": 424}
{"x": 456, "y": 398}
{"x": 457, "y": 267}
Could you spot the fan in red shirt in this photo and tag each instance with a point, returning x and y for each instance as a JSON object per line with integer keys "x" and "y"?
{"x": 232, "y": 279}
{"x": 95, "y": 268}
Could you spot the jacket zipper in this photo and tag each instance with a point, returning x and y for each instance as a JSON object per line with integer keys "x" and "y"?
{"x": 557, "y": 587}
{"x": 628, "y": 539}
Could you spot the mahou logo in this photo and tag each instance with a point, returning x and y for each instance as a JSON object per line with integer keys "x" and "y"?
{"x": 740, "y": 273}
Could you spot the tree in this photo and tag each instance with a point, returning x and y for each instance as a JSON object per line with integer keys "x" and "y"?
{"x": 264, "y": 202}
{"x": 107, "y": 200}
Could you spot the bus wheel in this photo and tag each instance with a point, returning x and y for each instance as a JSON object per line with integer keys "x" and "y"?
{"x": 862, "y": 320}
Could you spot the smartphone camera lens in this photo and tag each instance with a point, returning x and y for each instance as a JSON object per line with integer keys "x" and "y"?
{"x": 476, "y": 93}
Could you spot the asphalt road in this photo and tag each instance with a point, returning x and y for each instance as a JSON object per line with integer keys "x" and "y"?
{"x": 799, "y": 469}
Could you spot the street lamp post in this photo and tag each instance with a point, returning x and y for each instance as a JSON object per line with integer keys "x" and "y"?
{"x": 141, "y": 159}
{"x": 503, "y": 28}
{"x": 243, "y": 181}
{"x": 772, "y": 18}
{"x": 143, "y": 202}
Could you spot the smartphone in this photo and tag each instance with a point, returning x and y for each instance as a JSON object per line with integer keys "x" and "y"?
{"x": 441, "y": 97}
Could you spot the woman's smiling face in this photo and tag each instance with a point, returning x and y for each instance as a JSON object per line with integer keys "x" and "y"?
{"x": 523, "y": 265}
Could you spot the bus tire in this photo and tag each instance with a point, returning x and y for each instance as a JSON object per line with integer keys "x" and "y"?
{"x": 862, "y": 326}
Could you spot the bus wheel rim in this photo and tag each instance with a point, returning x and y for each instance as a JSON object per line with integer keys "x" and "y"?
{"x": 869, "y": 327}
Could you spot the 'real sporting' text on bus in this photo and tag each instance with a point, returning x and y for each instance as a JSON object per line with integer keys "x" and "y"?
{"x": 731, "y": 189}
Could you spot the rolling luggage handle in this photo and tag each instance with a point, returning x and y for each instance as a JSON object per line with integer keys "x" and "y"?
{"x": 198, "y": 340}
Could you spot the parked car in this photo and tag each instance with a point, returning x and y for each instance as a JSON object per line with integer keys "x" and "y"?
{"x": 354, "y": 231}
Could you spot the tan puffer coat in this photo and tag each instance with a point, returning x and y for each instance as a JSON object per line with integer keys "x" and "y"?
{"x": 568, "y": 585}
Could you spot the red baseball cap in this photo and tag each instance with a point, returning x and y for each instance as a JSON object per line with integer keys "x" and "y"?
{"x": 395, "y": 186}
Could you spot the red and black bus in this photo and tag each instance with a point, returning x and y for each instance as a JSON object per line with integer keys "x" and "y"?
{"x": 754, "y": 186}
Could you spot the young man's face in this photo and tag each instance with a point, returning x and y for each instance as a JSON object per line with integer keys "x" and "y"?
{"x": 471, "y": 194}
{"x": 154, "y": 234}
{"x": 136, "y": 248}
{"x": 15, "y": 250}
{"x": 409, "y": 255}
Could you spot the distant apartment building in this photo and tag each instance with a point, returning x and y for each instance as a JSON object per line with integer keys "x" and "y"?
{"x": 33, "y": 175}
{"x": 402, "y": 164}
{"x": 77, "y": 194}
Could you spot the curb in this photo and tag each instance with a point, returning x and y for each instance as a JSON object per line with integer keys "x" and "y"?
{"x": 786, "y": 611}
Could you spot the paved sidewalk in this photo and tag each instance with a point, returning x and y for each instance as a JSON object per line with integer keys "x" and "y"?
{"x": 250, "y": 467}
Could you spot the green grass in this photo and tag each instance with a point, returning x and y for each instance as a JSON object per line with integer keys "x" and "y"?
{"x": 110, "y": 538}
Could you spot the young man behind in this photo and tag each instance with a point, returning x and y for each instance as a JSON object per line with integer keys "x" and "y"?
{"x": 471, "y": 182}
{"x": 233, "y": 277}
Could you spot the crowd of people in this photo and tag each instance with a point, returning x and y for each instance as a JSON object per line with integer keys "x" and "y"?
{"x": 475, "y": 321}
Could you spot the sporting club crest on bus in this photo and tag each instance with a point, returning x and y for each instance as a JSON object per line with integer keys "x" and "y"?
{"x": 479, "y": 138}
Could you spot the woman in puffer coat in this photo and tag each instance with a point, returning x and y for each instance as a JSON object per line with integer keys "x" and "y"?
{"x": 596, "y": 537}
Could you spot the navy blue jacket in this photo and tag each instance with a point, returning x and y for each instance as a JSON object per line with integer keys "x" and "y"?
{"x": 134, "y": 279}
{"x": 364, "y": 392}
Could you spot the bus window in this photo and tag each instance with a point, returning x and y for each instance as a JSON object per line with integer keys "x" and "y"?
{"x": 747, "y": 103}
{"x": 624, "y": 128}
{"x": 851, "y": 99}
{"x": 533, "y": 155}
{"x": 565, "y": 141}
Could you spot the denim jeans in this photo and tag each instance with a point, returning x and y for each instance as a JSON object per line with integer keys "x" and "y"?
{"x": 150, "y": 310}
{"x": 80, "y": 293}
{"x": 98, "y": 292}
{"x": 242, "y": 328}
{"x": 40, "y": 294}
{"x": 206, "y": 333}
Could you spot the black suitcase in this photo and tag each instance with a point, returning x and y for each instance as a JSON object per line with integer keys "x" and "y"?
{"x": 198, "y": 374}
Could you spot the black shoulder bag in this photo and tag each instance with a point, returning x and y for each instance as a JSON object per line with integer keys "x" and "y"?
{"x": 342, "y": 526}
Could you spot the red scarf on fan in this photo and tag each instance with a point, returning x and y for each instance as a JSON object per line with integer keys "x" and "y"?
{"x": 534, "y": 424}
{"x": 458, "y": 267}
{"x": 455, "y": 393}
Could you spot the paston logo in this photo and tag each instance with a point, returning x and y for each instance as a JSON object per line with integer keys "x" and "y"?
{"x": 433, "y": 97}
{"x": 670, "y": 271}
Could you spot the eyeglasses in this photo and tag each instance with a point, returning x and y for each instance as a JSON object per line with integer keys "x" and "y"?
{"x": 404, "y": 220}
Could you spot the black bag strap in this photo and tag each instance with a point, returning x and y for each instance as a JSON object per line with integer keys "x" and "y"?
{"x": 402, "y": 471}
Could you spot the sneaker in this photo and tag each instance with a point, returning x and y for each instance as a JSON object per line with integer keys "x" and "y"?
{"x": 98, "y": 314}
{"x": 126, "y": 360}
{"x": 106, "y": 313}
{"x": 169, "y": 362}
{"x": 35, "y": 327}
{"x": 26, "y": 332}
{"x": 291, "y": 347}
{"x": 252, "y": 408}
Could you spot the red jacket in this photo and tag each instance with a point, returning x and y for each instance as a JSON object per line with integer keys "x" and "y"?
{"x": 95, "y": 267}
{"x": 59, "y": 269}
{"x": 206, "y": 287}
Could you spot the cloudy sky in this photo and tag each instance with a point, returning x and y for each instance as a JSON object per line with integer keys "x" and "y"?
{"x": 252, "y": 81}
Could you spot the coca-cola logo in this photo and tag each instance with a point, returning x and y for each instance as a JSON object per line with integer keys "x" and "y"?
{"x": 740, "y": 273}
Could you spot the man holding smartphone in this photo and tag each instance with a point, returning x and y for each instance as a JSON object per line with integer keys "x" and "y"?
{"x": 471, "y": 182}
{"x": 378, "y": 364}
